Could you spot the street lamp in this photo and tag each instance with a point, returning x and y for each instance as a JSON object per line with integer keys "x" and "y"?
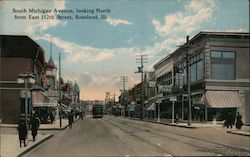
{"x": 26, "y": 78}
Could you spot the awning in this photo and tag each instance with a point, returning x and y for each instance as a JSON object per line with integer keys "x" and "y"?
{"x": 222, "y": 99}
{"x": 44, "y": 105}
{"x": 151, "y": 107}
{"x": 65, "y": 106}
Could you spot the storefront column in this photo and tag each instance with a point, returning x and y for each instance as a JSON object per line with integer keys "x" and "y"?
{"x": 182, "y": 108}
{"x": 205, "y": 113}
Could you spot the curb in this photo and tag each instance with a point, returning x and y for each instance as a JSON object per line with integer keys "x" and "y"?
{"x": 182, "y": 126}
{"x": 6, "y": 126}
{"x": 238, "y": 133}
{"x": 35, "y": 145}
{"x": 62, "y": 128}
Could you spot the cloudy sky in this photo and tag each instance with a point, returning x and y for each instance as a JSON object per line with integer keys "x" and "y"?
{"x": 96, "y": 52}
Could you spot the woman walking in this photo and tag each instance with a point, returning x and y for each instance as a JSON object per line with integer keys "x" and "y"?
{"x": 34, "y": 126}
{"x": 22, "y": 132}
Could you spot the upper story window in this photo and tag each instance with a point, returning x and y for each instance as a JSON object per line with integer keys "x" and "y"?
{"x": 222, "y": 65}
{"x": 196, "y": 66}
{"x": 166, "y": 79}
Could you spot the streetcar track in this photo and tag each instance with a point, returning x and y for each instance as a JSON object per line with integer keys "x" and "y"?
{"x": 218, "y": 145}
{"x": 141, "y": 139}
{"x": 121, "y": 143}
{"x": 173, "y": 139}
{"x": 242, "y": 149}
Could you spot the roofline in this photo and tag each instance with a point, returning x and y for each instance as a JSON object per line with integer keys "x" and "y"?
{"x": 162, "y": 60}
{"x": 219, "y": 33}
{"x": 198, "y": 36}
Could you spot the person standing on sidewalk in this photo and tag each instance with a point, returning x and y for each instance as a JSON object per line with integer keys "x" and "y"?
{"x": 34, "y": 125}
{"x": 81, "y": 115}
{"x": 239, "y": 122}
{"x": 22, "y": 132}
{"x": 70, "y": 118}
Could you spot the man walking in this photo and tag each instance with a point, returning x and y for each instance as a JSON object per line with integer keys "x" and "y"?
{"x": 70, "y": 118}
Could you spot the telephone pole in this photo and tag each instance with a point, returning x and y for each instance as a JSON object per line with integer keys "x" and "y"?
{"x": 141, "y": 59}
{"x": 124, "y": 79}
{"x": 108, "y": 102}
{"x": 60, "y": 90}
{"x": 188, "y": 69}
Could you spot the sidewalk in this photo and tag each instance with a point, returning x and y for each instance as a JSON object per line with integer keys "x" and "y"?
{"x": 10, "y": 144}
{"x": 55, "y": 125}
{"x": 245, "y": 130}
{"x": 9, "y": 141}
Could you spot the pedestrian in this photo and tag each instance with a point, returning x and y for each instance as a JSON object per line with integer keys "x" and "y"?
{"x": 75, "y": 113}
{"x": 201, "y": 115}
{"x": 51, "y": 116}
{"x": 22, "y": 132}
{"x": 81, "y": 114}
{"x": 239, "y": 122}
{"x": 176, "y": 118}
{"x": 34, "y": 125}
{"x": 70, "y": 118}
{"x": 229, "y": 121}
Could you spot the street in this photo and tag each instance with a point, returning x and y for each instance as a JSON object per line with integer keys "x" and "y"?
{"x": 116, "y": 136}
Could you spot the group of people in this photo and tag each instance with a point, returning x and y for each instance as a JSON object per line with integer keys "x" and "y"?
{"x": 229, "y": 121}
{"x": 23, "y": 130}
{"x": 71, "y": 117}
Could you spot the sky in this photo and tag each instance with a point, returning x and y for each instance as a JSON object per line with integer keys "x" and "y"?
{"x": 97, "y": 52}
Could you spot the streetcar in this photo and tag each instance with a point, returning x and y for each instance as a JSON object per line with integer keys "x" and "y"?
{"x": 97, "y": 111}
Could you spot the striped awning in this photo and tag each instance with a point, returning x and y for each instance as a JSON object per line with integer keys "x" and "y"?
{"x": 222, "y": 99}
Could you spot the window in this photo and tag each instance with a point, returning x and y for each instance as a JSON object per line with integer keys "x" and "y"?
{"x": 197, "y": 68}
{"x": 222, "y": 65}
{"x": 166, "y": 79}
{"x": 180, "y": 75}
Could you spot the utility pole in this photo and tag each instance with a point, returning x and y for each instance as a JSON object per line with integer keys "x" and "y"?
{"x": 60, "y": 90}
{"x": 113, "y": 103}
{"x": 124, "y": 79}
{"x": 141, "y": 59}
{"x": 188, "y": 69}
{"x": 107, "y": 102}
{"x": 188, "y": 78}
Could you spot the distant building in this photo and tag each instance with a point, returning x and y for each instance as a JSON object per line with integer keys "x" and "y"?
{"x": 51, "y": 73}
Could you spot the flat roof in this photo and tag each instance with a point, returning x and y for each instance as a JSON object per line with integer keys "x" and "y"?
{"x": 199, "y": 35}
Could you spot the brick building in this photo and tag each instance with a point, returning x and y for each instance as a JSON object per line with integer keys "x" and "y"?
{"x": 19, "y": 54}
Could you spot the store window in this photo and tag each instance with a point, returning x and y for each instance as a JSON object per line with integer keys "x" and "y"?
{"x": 222, "y": 65}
